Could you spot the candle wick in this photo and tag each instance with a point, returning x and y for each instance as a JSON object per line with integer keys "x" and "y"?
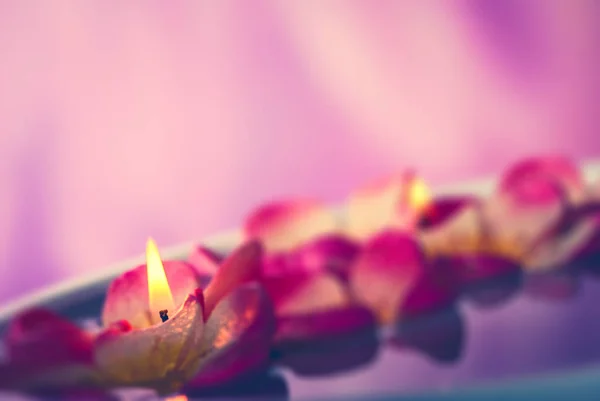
{"x": 164, "y": 315}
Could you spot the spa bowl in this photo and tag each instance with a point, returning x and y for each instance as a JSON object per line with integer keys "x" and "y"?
{"x": 525, "y": 338}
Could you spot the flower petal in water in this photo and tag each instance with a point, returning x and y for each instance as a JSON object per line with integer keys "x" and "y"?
{"x": 441, "y": 209}
{"x": 204, "y": 260}
{"x": 283, "y": 226}
{"x": 238, "y": 336}
{"x": 393, "y": 202}
{"x": 388, "y": 269}
{"x": 313, "y": 305}
{"x": 518, "y": 215}
{"x": 554, "y": 168}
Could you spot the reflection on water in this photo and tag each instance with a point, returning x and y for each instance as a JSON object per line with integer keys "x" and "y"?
{"x": 510, "y": 328}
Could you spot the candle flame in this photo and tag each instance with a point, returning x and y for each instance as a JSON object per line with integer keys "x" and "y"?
{"x": 159, "y": 293}
{"x": 419, "y": 195}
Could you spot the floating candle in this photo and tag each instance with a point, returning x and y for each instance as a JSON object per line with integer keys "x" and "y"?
{"x": 207, "y": 340}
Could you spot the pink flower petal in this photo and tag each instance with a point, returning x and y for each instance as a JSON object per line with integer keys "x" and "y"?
{"x": 238, "y": 336}
{"x": 387, "y": 268}
{"x": 442, "y": 209}
{"x": 127, "y": 296}
{"x": 547, "y": 168}
{"x": 299, "y": 294}
{"x": 574, "y": 237}
{"x": 440, "y": 336}
{"x": 163, "y": 356}
{"x": 323, "y": 324}
{"x": 283, "y": 226}
{"x": 559, "y": 285}
{"x": 204, "y": 260}
{"x": 46, "y": 351}
{"x": 42, "y": 338}
{"x": 517, "y": 216}
{"x": 244, "y": 264}
{"x": 432, "y": 291}
{"x": 394, "y": 202}
{"x": 330, "y": 355}
{"x": 331, "y": 253}
{"x": 462, "y": 233}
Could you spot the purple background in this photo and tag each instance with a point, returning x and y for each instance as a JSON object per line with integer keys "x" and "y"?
{"x": 120, "y": 120}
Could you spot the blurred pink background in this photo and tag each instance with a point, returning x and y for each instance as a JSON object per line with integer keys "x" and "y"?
{"x": 121, "y": 120}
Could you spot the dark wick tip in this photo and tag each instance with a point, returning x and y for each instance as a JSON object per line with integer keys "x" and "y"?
{"x": 164, "y": 315}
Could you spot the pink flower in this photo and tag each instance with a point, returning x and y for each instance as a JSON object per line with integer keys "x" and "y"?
{"x": 210, "y": 337}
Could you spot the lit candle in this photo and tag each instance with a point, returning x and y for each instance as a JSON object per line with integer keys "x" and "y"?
{"x": 160, "y": 299}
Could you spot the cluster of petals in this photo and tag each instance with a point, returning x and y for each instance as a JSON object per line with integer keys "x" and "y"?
{"x": 399, "y": 252}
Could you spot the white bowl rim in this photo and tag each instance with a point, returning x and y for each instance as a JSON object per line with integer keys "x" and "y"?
{"x": 225, "y": 241}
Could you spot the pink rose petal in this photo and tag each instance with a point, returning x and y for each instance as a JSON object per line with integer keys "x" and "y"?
{"x": 547, "y": 168}
{"x": 322, "y": 324}
{"x": 163, "y": 356}
{"x": 46, "y": 352}
{"x": 440, "y": 336}
{"x": 331, "y": 253}
{"x": 463, "y": 232}
{"x": 204, "y": 260}
{"x": 518, "y": 215}
{"x": 559, "y": 285}
{"x": 574, "y": 237}
{"x": 301, "y": 293}
{"x": 442, "y": 209}
{"x": 283, "y": 226}
{"x": 394, "y": 202}
{"x": 43, "y": 339}
{"x": 432, "y": 291}
{"x": 244, "y": 264}
{"x": 385, "y": 271}
{"x": 127, "y": 295}
{"x": 238, "y": 336}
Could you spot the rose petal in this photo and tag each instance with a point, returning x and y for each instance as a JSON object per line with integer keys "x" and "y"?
{"x": 326, "y": 356}
{"x": 282, "y": 226}
{"x": 127, "y": 295}
{"x": 238, "y": 336}
{"x": 462, "y": 233}
{"x": 432, "y": 291}
{"x": 244, "y": 264}
{"x": 204, "y": 260}
{"x": 45, "y": 351}
{"x": 163, "y": 356}
{"x": 298, "y": 294}
{"x": 574, "y": 237}
{"x": 387, "y": 268}
{"x": 394, "y": 202}
{"x": 554, "y": 168}
{"x": 518, "y": 216}
{"x": 442, "y": 209}
{"x": 440, "y": 336}
{"x": 559, "y": 285}
{"x": 492, "y": 293}
{"x": 333, "y": 253}
{"x": 318, "y": 325}
{"x": 44, "y": 339}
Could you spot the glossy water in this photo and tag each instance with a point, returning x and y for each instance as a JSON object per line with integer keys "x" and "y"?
{"x": 515, "y": 329}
